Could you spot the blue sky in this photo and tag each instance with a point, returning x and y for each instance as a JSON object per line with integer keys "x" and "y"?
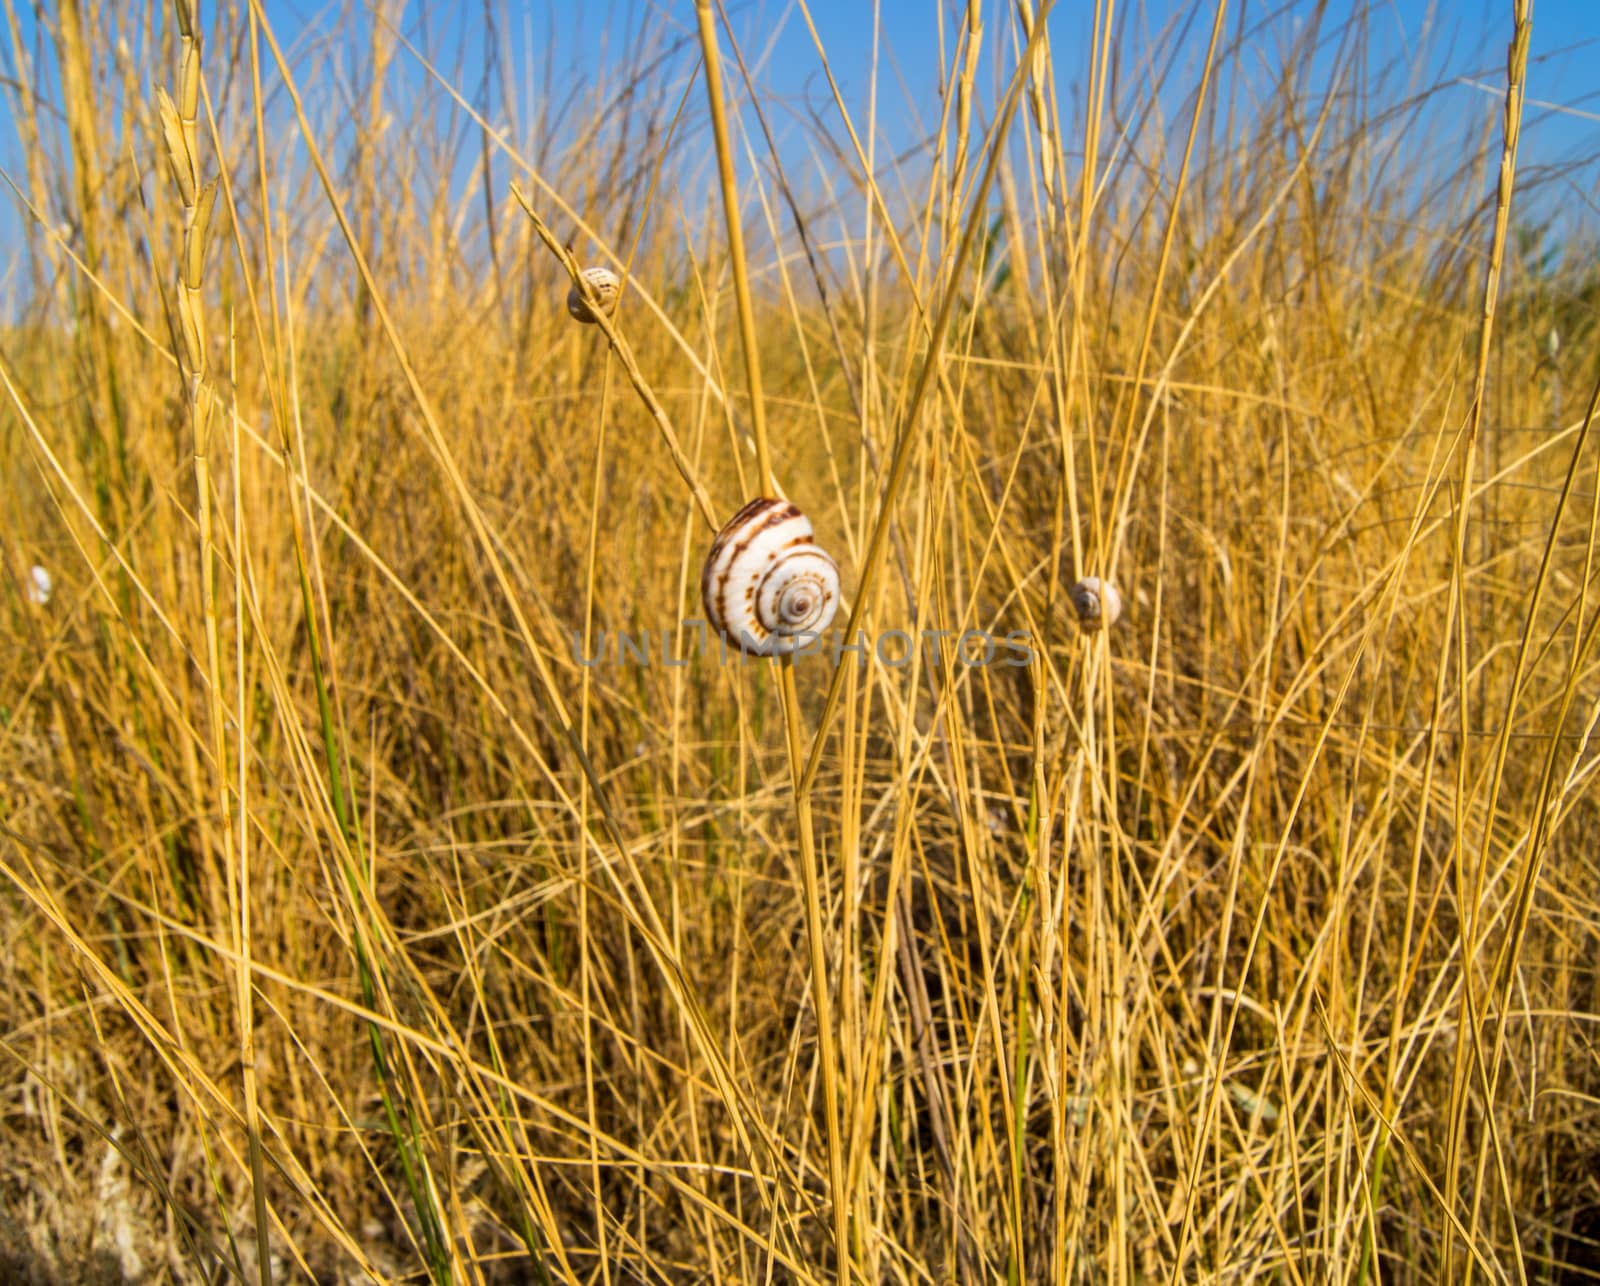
{"x": 1459, "y": 46}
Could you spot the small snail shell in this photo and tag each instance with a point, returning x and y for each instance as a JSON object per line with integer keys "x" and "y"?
{"x": 766, "y": 580}
{"x": 606, "y": 286}
{"x": 1096, "y": 602}
{"x": 39, "y": 586}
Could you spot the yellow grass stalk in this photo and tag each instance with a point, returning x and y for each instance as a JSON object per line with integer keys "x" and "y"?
{"x": 845, "y": 1254}
{"x": 197, "y": 199}
{"x": 1472, "y": 1062}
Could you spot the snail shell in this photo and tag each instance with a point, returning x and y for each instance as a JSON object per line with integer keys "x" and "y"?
{"x": 1096, "y": 602}
{"x": 606, "y": 286}
{"x": 767, "y": 581}
{"x": 39, "y": 586}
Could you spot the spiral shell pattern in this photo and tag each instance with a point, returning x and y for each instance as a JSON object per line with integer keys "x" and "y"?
{"x": 767, "y": 583}
{"x": 1097, "y": 603}
{"x": 606, "y": 286}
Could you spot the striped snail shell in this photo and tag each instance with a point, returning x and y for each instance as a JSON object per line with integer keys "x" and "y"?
{"x": 1096, "y": 602}
{"x": 767, "y": 582}
{"x": 605, "y": 285}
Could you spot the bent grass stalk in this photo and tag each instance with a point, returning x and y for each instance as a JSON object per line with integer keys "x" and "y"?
{"x": 906, "y": 435}
{"x": 630, "y": 366}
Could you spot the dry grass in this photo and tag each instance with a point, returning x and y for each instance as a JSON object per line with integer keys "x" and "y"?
{"x": 353, "y": 930}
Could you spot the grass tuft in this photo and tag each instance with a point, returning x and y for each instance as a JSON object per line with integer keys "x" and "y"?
{"x": 396, "y": 883}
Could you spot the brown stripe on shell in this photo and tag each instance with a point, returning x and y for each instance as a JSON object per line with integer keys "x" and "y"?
{"x": 747, "y": 533}
{"x": 733, "y": 530}
{"x": 734, "y": 527}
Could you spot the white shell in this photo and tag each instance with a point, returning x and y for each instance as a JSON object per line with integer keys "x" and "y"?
{"x": 606, "y": 286}
{"x": 768, "y": 587}
{"x": 1097, "y": 603}
{"x": 39, "y": 586}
